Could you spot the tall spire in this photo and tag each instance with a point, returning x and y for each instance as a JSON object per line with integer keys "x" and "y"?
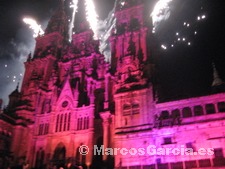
{"x": 59, "y": 21}
{"x": 217, "y": 81}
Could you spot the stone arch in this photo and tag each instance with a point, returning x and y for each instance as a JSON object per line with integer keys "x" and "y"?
{"x": 80, "y": 159}
{"x": 40, "y": 156}
{"x": 59, "y": 155}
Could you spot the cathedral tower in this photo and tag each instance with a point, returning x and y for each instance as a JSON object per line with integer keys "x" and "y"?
{"x": 133, "y": 71}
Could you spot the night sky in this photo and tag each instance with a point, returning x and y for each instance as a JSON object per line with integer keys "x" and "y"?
{"x": 184, "y": 67}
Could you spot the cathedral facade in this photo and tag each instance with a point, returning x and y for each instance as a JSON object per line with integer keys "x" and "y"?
{"x": 72, "y": 101}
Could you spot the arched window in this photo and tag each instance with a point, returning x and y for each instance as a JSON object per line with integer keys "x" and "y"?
{"x": 210, "y": 109}
{"x": 221, "y": 106}
{"x": 175, "y": 113}
{"x": 165, "y": 115}
{"x": 80, "y": 124}
{"x": 186, "y": 112}
{"x": 59, "y": 156}
{"x": 46, "y": 128}
{"x": 46, "y": 106}
{"x": 40, "y": 156}
{"x": 198, "y": 110}
{"x": 41, "y": 129}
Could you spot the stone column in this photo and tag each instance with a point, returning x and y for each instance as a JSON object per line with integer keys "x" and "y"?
{"x": 144, "y": 42}
{"x": 106, "y": 103}
{"x": 106, "y": 117}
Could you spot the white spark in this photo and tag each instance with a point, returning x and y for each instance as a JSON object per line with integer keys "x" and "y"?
{"x": 177, "y": 34}
{"x": 153, "y": 30}
{"x": 6, "y": 65}
{"x": 184, "y": 39}
{"x": 189, "y": 43}
{"x": 203, "y": 16}
{"x": 14, "y": 77}
{"x": 92, "y": 16}
{"x": 34, "y": 26}
{"x": 164, "y": 47}
{"x": 198, "y": 18}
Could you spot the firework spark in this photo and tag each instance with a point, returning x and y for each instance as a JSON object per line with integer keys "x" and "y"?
{"x": 160, "y": 12}
{"x": 34, "y": 26}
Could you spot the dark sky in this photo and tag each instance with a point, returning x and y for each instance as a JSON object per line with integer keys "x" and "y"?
{"x": 16, "y": 40}
{"x": 183, "y": 71}
{"x": 186, "y": 71}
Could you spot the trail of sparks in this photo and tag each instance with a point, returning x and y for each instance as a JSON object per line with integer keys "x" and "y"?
{"x": 34, "y": 26}
{"x": 183, "y": 36}
{"x": 74, "y": 6}
{"x": 92, "y": 16}
{"x": 104, "y": 30}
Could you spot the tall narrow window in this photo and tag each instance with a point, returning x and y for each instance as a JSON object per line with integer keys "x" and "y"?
{"x": 46, "y": 128}
{"x": 40, "y": 132}
{"x": 81, "y": 123}
{"x": 65, "y": 122}
{"x": 57, "y": 124}
{"x": 78, "y": 124}
{"x": 68, "y": 123}
{"x": 61, "y": 121}
{"x": 87, "y": 122}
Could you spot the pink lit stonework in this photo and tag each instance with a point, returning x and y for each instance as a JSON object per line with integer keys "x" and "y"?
{"x": 71, "y": 97}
